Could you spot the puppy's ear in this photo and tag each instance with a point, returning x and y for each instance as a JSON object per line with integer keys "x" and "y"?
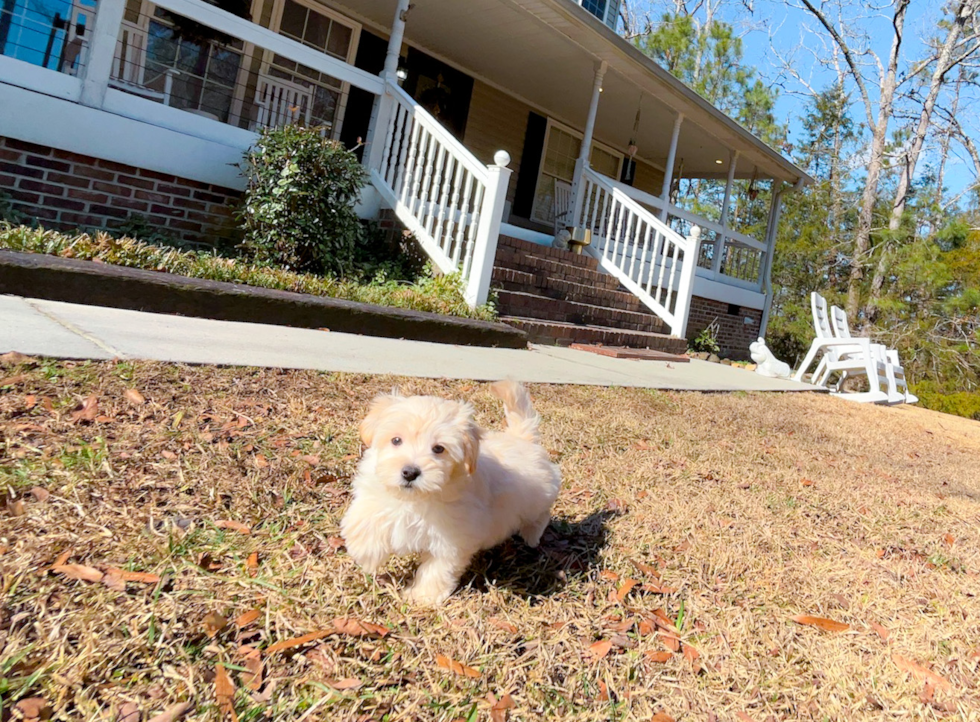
{"x": 379, "y": 406}
{"x": 471, "y": 438}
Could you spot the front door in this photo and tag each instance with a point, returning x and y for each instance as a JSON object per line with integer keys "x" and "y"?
{"x": 442, "y": 90}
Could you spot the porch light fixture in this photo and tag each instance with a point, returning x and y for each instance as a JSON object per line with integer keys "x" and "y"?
{"x": 401, "y": 74}
{"x": 719, "y": 161}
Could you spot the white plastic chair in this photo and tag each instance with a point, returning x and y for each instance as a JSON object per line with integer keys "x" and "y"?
{"x": 886, "y": 359}
{"x": 845, "y": 356}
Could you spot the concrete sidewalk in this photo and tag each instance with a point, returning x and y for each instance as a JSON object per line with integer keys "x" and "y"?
{"x": 64, "y": 330}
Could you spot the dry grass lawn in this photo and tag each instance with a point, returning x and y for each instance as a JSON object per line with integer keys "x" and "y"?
{"x": 178, "y": 540}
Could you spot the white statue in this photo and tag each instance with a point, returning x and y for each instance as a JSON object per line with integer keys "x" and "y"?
{"x": 561, "y": 240}
{"x": 766, "y": 363}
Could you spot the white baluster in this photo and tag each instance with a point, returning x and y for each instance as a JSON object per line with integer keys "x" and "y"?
{"x": 464, "y": 218}
{"x": 453, "y": 211}
{"x": 419, "y": 148}
{"x": 481, "y": 267}
{"x": 479, "y": 191}
{"x": 447, "y": 182}
{"x": 431, "y": 148}
{"x": 437, "y": 183}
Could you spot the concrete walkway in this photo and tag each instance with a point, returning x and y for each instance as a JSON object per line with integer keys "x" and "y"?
{"x": 64, "y": 330}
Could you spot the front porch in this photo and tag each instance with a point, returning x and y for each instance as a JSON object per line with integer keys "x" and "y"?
{"x": 124, "y": 85}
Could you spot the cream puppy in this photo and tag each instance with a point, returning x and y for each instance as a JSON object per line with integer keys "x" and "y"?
{"x": 433, "y": 482}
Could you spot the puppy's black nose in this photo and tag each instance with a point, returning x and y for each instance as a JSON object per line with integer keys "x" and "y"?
{"x": 411, "y": 473}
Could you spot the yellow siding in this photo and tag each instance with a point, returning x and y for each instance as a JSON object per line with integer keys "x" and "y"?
{"x": 496, "y": 122}
{"x": 648, "y": 179}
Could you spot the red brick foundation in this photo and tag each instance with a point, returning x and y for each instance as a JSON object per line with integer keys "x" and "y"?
{"x": 734, "y": 335}
{"x": 66, "y": 191}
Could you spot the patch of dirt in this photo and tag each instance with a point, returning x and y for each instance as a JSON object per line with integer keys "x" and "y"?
{"x": 169, "y": 544}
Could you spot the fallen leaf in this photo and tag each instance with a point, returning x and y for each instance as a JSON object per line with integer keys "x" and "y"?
{"x": 456, "y": 667}
{"x": 927, "y": 693}
{"x": 661, "y": 717}
{"x": 646, "y": 627}
{"x": 625, "y": 588}
{"x": 647, "y": 569}
{"x": 260, "y": 461}
{"x": 907, "y": 665}
{"x": 30, "y": 401}
{"x": 79, "y": 571}
{"x": 348, "y": 683}
{"x": 253, "y": 677}
{"x": 233, "y": 526}
{"x": 356, "y": 628}
{"x": 14, "y": 358}
{"x": 744, "y": 717}
{"x": 138, "y": 577}
{"x": 501, "y": 624}
{"x": 600, "y": 649}
{"x": 657, "y": 589}
{"x": 208, "y": 563}
{"x": 246, "y": 618}
{"x": 87, "y": 410}
{"x": 112, "y": 580}
{"x": 214, "y": 623}
{"x": 807, "y": 482}
{"x": 33, "y": 708}
{"x": 658, "y": 656}
{"x": 828, "y": 625}
{"x": 683, "y": 546}
{"x": 500, "y": 709}
{"x": 949, "y": 539}
{"x": 881, "y": 631}
{"x": 224, "y": 692}
{"x": 617, "y": 505}
{"x": 311, "y": 459}
{"x": 670, "y": 641}
{"x": 298, "y": 641}
{"x": 174, "y": 712}
{"x": 16, "y": 508}
{"x": 335, "y": 542}
{"x": 252, "y": 564}
{"x": 606, "y": 574}
{"x": 40, "y": 494}
{"x": 61, "y": 560}
{"x": 13, "y": 380}
{"x": 603, "y": 692}
{"x": 690, "y": 653}
{"x": 167, "y": 454}
{"x": 642, "y": 494}
{"x": 134, "y": 397}
{"x": 128, "y": 712}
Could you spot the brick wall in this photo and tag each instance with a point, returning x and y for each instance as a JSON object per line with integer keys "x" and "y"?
{"x": 66, "y": 190}
{"x": 734, "y": 335}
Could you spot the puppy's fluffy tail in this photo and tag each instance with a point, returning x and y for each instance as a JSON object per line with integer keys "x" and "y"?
{"x": 522, "y": 419}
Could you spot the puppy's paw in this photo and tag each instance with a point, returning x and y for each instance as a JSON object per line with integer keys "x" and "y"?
{"x": 427, "y": 596}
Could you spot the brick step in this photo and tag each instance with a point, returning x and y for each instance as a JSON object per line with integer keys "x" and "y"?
{"x": 532, "y": 305}
{"x": 565, "y": 334}
{"x": 509, "y": 244}
{"x": 509, "y": 279}
{"x": 557, "y": 270}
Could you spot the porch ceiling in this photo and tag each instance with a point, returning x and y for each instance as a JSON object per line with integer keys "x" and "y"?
{"x": 545, "y": 52}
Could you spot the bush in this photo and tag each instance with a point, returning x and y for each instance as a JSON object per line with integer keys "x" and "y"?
{"x": 707, "y": 340}
{"x": 959, "y": 403}
{"x": 299, "y": 202}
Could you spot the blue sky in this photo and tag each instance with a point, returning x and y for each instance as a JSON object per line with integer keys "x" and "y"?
{"x": 777, "y": 30}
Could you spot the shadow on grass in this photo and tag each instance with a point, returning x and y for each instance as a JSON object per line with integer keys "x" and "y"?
{"x": 568, "y": 550}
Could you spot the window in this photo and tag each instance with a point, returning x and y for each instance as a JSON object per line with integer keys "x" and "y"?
{"x": 606, "y": 10}
{"x": 558, "y": 166}
{"x": 206, "y": 69}
{"x": 328, "y": 34}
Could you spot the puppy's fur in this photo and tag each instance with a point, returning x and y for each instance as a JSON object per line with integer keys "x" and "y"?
{"x": 433, "y": 482}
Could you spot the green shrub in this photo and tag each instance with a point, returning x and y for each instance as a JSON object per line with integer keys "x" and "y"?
{"x": 707, "y": 340}
{"x": 299, "y": 203}
{"x": 959, "y": 403}
{"x": 8, "y": 212}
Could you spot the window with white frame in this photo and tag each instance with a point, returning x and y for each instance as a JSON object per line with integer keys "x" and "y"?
{"x": 561, "y": 149}
{"x": 606, "y": 10}
{"x": 329, "y": 33}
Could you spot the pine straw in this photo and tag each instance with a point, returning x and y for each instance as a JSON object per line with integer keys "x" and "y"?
{"x": 756, "y": 508}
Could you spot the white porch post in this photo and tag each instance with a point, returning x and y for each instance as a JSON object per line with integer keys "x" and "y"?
{"x": 95, "y": 73}
{"x": 583, "y": 157}
{"x": 491, "y": 215}
{"x": 720, "y": 240}
{"x": 772, "y": 229}
{"x": 383, "y": 105}
{"x": 669, "y": 170}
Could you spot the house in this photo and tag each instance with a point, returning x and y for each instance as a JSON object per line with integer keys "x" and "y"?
{"x": 487, "y": 126}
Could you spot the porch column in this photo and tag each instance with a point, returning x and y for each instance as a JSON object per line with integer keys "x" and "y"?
{"x": 720, "y": 241}
{"x": 772, "y": 229}
{"x": 97, "y": 67}
{"x": 583, "y": 157}
{"x": 384, "y": 103}
{"x": 669, "y": 170}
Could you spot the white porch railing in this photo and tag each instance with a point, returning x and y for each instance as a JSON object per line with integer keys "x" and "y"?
{"x": 447, "y": 198}
{"x": 649, "y": 258}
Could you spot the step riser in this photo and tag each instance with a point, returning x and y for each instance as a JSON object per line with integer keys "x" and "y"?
{"x": 558, "y": 270}
{"x": 550, "y": 309}
{"x": 510, "y": 280}
{"x": 565, "y": 336}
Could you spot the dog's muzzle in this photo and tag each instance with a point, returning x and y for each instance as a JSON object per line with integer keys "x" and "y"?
{"x": 410, "y": 474}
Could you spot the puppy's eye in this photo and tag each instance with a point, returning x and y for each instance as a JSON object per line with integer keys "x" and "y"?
{"x": 438, "y": 449}
{"x": 397, "y": 441}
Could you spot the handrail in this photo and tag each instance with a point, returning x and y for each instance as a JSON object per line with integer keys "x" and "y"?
{"x": 643, "y": 253}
